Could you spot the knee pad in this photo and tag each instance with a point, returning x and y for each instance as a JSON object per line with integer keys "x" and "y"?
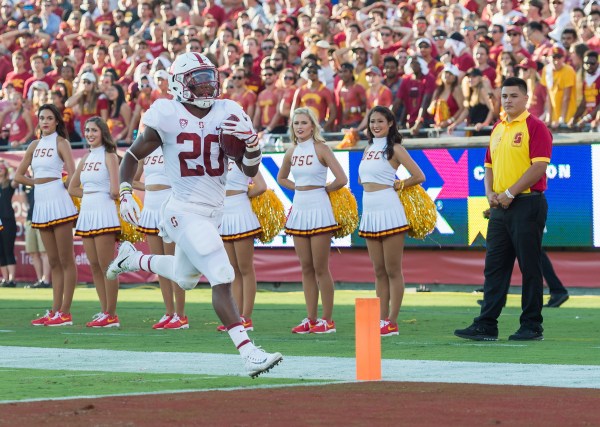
{"x": 186, "y": 284}
{"x": 220, "y": 270}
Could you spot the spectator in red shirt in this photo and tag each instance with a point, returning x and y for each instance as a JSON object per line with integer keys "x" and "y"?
{"x": 350, "y": 98}
{"x": 534, "y": 34}
{"x": 17, "y": 118}
{"x": 317, "y": 97}
{"x": 497, "y": 34}
{"x": 20, "y": 72}
{"x": 37, "y": 66}
{"x": 537, "y": 93}
{"x": 587, "y": 111}
{"x": 267, "y": 118}
{"x": 483, "y": 63}
{"x": 240, "y": 93}
{"x": 459, "y": 52}
{"x": 88, "y": 101}
{"x": 377, "y": 94}
{"x": 416, "y": 93}
{"x": 515, "y": 35}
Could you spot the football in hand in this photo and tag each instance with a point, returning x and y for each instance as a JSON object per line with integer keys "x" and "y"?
{"x": 233, "y": 147}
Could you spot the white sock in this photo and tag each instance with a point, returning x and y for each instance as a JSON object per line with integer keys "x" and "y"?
{"x": 158, "y": 264}
{"x": 240, "y": 338}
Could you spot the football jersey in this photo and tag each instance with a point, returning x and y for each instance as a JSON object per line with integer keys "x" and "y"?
{"x": 194, "y": 161}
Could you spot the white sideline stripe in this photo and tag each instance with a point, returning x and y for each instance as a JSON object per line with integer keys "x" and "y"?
{"x": 313, "y": 368}
{"x": 191, "y": 390}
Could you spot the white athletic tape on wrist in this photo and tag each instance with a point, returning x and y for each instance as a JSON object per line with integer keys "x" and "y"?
{"x": 131, "y": 154}
{"x": 252, "y": 162}
{"x": 125, "y": 187}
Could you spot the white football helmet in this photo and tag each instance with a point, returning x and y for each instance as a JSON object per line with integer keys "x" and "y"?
{"x": 195, "y": 80}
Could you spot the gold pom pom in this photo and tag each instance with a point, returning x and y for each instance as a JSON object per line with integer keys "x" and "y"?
{"x": 420, "y": 210}
{"x": 270, "y": 213}
{"x": 76, "y": 202}
{"x": 345, "y": 211}
{"x": 129, "y": 232}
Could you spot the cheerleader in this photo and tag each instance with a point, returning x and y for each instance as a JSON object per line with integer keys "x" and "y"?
{"x": 311, "y": 220}
{"x": 54, "y": 211}
{"x": 383, "y": 221}
{"x": 239, "y": 227}
{"x": 158, "y": 189}
{"x": 96, "y": 182}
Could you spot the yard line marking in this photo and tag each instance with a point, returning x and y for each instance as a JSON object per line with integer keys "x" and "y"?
{"x": 5, "y": 330}
{"x": 106, "y": 333}
{"x": 317, "y": 368}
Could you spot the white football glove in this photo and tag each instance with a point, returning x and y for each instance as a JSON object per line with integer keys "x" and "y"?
{"x": 129, "y": 209}
{"x": 242, "y": 130}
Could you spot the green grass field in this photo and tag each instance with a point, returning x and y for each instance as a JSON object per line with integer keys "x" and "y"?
{"x": 427, "y": 322}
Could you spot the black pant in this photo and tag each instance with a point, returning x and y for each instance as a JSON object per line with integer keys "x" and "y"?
{"x": 7, "y": 241}
{"x": 512, "y": 233}
{"x": 554, "y": 284}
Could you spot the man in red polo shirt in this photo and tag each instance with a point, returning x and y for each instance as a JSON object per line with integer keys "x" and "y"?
{"x": 317, "y": 97}
{"x": 515, "y": 180}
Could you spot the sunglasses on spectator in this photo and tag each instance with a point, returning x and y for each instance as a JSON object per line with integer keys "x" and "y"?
{"x": 590, "y": 62}
{"x": 144, "y": 86}
{"x": 313, "y": 71}
{"x": 557, "y": 56}
{"x": 439, "y": 38}
{"x": 513, "y": 34}
{"x": 468, "y": 28}
{"x": 237, "y": 78}
{"x": 386, "y": 34}
{"x": 87, "y": 82}
{"x": 288, "y": 77}
{"x": 267, "y": 47}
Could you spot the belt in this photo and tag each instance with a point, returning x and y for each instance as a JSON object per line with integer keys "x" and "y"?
{"x": 530, "y": 194}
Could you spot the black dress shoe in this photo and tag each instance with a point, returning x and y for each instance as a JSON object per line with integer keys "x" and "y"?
{"x": 478, "y": 333}
{"x": 526, "y": 334}
{"x": 41, "y": 285}
{"x": 557, "y": 300}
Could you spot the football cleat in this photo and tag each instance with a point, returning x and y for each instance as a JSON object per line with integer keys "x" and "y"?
{"x": 257, "y": 361}
{"x": 127, "y": 260}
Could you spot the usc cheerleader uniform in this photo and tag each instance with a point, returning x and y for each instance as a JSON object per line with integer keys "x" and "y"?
{"x": 53, "y": 205}
{"x": 382, "y": 214}
{"x": 311, "y": 212}
{"x": 154, "y": 174}
{"x": 98, "y": 214}
{"x": 239, "y": 221}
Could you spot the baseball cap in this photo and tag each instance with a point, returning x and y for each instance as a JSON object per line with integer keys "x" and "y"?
{"x": 423, "y": 40}
{"x": 558, "y": 51}
{"x": 323, "y": 44}
{"x": 347, "y": 14}
{"x": 88, "y": 76}
{"x": 527, "y": 63}
{"x": 161, "y": 74}
{"x": 373, "y": 70}
{"x": 452, "y": 69}
{"x": 514, "y": 29}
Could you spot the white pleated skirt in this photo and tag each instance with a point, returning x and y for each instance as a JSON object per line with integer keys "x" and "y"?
{"x": 98, "y": 215}
{"x": 152, "y": 212}
{"x": 382, "y": 215}
{"x": 53, "y": 205}
{"x": 239, "y": 221}
{"x": 311, "y": 214}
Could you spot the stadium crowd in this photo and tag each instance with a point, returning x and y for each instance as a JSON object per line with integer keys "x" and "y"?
{"x": 436, "y": 63}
